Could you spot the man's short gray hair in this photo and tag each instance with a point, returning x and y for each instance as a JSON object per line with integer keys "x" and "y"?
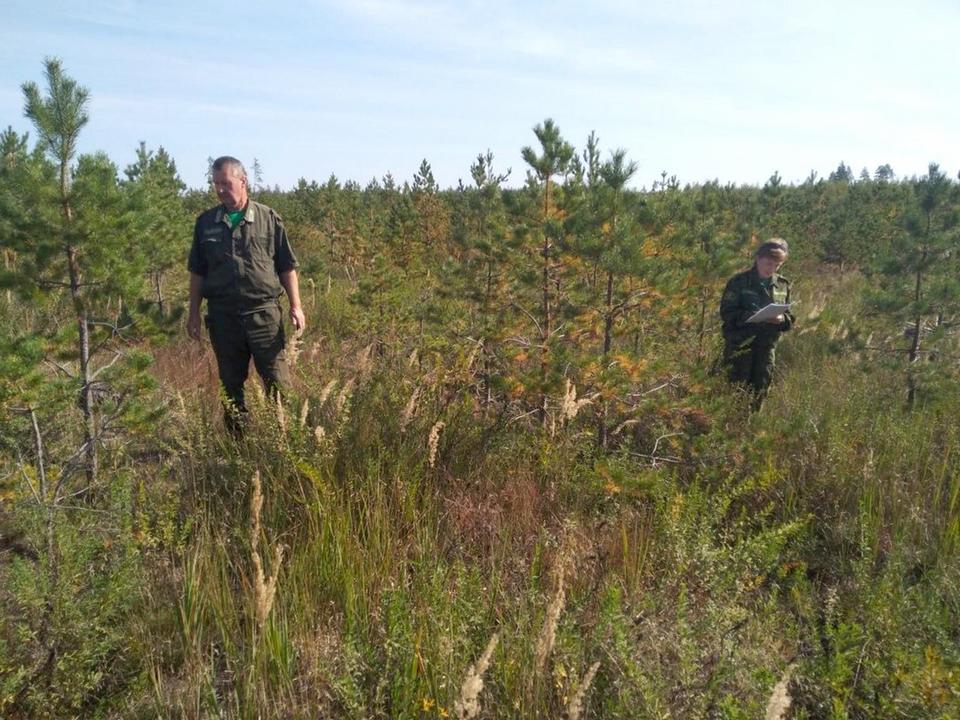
{"x": 229, "y": 161}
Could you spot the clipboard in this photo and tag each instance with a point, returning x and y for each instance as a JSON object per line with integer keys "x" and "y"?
{"x": 769, "y": 312}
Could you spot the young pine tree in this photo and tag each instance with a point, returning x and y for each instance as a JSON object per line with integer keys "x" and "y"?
{"x": 70, "y": 229}
{"x": 480, "y": 277}
{"x": 918, "y": 288}
{"x": 154, "y": 189}
{"x": 554, "y": 159}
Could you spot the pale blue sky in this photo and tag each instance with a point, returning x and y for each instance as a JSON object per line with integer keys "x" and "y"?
{"x": 704, "y": 90}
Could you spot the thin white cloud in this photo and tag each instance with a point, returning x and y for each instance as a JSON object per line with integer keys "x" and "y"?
{"x": 394, "y": 12}
{"x": 733, "y": 90}
{"x": 472, "y": 34}
{"x": 107, "y": 13}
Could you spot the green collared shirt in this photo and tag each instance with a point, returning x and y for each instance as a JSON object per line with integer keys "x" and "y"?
{"x": 241, "y": 266}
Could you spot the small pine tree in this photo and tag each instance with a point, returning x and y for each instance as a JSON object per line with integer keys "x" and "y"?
{"x": 71, "y": 229}
{"x": 918, "y": 287}
{"x": 554, "y": 159}
{"x": 154, "y": 192}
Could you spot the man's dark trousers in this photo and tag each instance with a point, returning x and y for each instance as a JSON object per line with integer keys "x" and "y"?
{"x": 238, "y": 336}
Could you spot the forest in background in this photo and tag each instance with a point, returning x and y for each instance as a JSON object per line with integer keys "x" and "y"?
{"x": 508, "y": 480}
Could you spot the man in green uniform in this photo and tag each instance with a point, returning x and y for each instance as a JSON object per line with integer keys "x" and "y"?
{"x": 749, "y": 348}
{"x": 241, "y": 261}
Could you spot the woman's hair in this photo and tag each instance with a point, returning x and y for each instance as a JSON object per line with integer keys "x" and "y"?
{"x": 773, "y": 246}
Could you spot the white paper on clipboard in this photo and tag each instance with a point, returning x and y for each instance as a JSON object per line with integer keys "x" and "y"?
{"x": 768, "y": 312}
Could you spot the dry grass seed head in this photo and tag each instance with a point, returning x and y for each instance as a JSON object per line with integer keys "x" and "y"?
{"x": 468, "y": 705}
{"x": 575, "y": 706}
{"x": 265, "y": 587}
{"x": 343, "y": 396}
{"x": 573, "y": 546}
{"x": 365, "y": 360}
{"x": 259, "y": 394}
{"x": 292, "y": 349}
{"x": 472, "y": 357}
{"x": 281, "y": 414}
{"x": 548, "y": 633}
{"x": 433, "y": 442}
{"x": 304, "y": 411}
{"x": 570, "y": 405}
{"x": 256, "y": 506}
{"x": 325, "y": 393}
{"x": 780, "y": 701}
{"x": 409, "y": 410}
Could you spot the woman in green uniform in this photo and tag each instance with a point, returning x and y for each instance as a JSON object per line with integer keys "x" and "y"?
{"x": 749, "y": 348}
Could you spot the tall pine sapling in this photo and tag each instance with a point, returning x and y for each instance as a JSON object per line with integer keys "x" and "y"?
{"x": 59, "y": 116}
{"x": 918, "y": 289}
{"x": 72, "y": 229}
{"x": 554, "y": 159}
{"x": 483, "y": 236}
{"x": 154, "y": 189}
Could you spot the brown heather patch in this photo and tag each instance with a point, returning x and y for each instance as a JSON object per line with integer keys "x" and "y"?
{"x": 527, "y": 505}
{"x": 188, "y": 367}
{"x": 483, "y": 517}
{"x": 695, "y": 421}
{"x": 476, "y": 518}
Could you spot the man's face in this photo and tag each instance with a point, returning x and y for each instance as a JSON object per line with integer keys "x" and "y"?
{"x": 767, "y": 265}
{"x": 230, "y": 187}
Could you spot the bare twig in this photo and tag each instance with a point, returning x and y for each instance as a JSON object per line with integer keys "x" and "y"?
{"x": 117, "y": 330}
{"x": 38, "y": 439}
{"x": 520, "y": 417}
{"x": 523, "y": 342}
{"x": 654, "y": 459}
{"x": 96, "y": 374}
{"x": 26, "y": 478}
{"x": 532, "y": 318}
{"x": 656, "y": 443}
{"x": 661, "y": 386}
{"x": 61, "y": 368}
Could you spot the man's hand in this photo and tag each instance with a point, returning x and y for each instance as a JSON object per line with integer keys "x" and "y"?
{"x": 298, "y": 319}
{"x": 291, "y": 283}
{"x": 193, "y": 326}
{"x": 193, "y": 313}
{"x": 777, "y": 320}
